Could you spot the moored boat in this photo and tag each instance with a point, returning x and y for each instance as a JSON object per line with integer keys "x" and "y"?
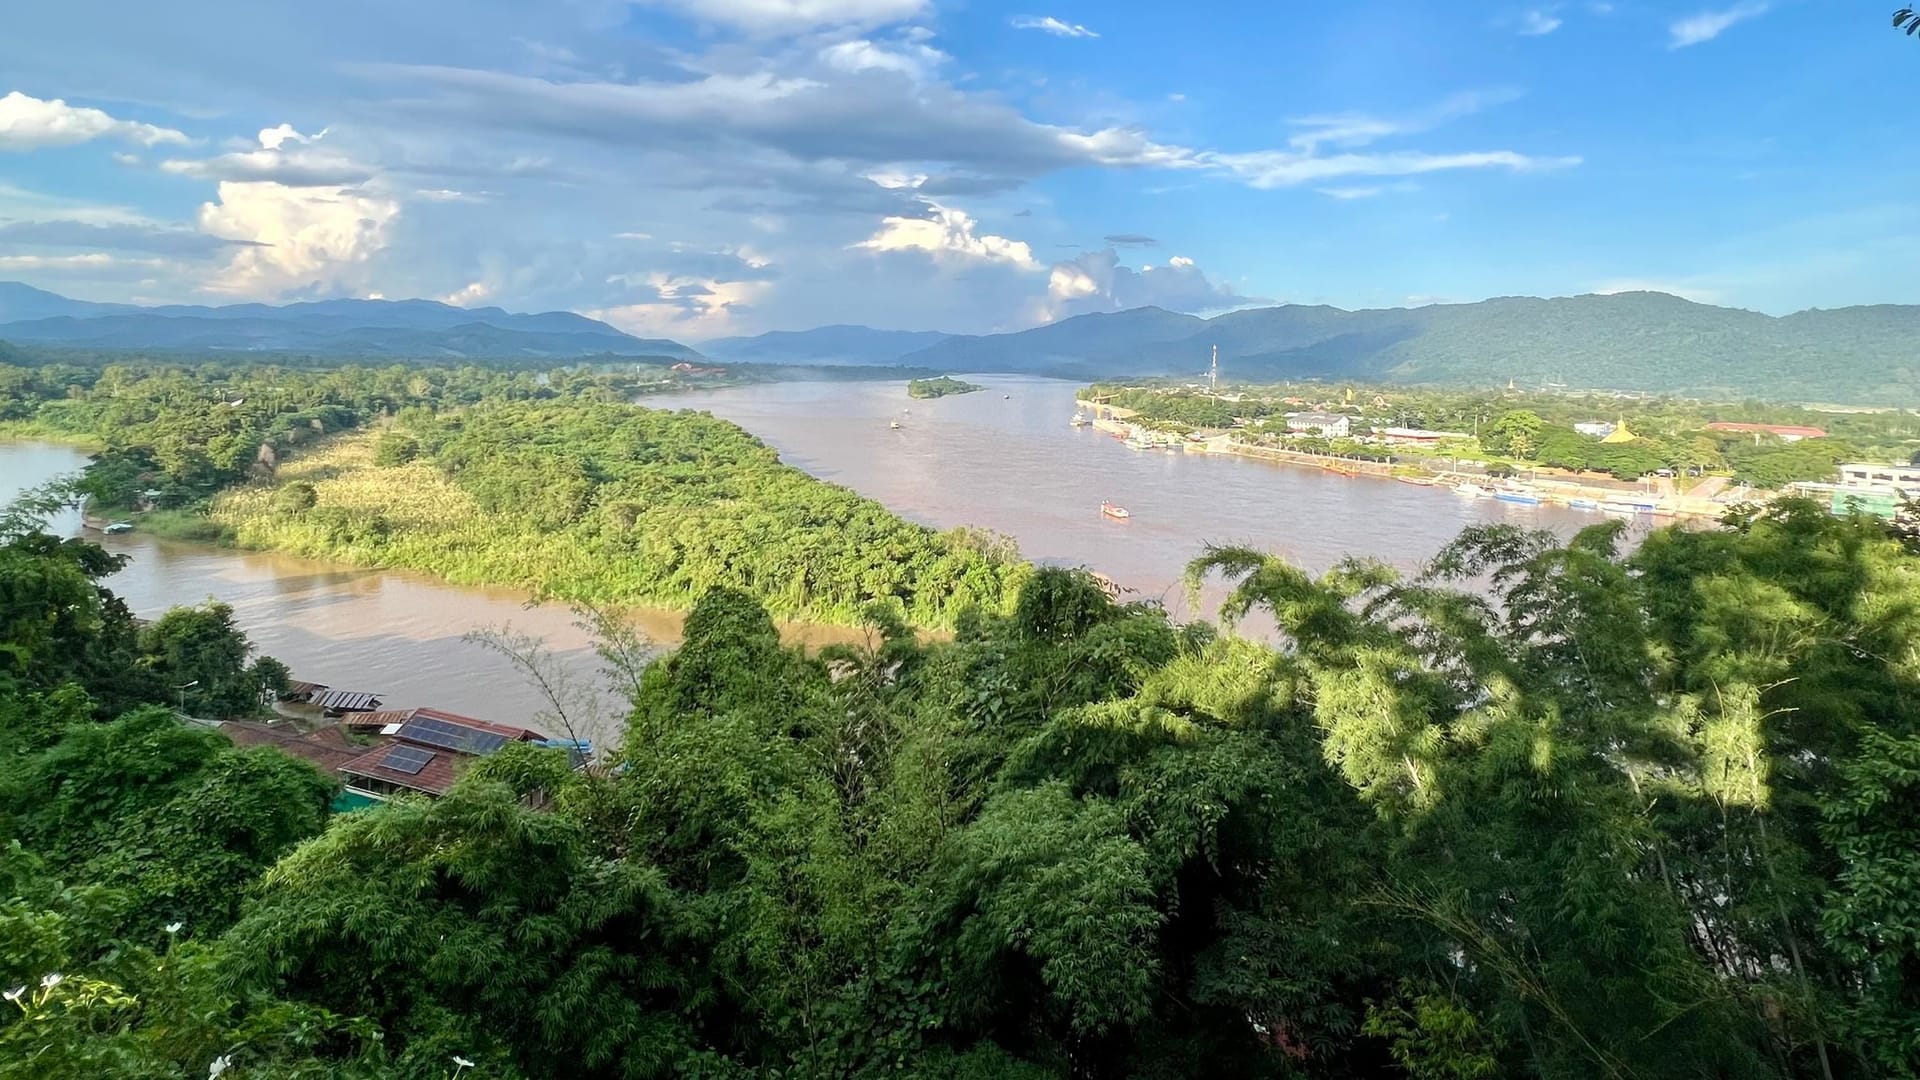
{"x": 1117, "y": 512}
{"x": 1584, "y": 504}
{"x": 1079, "y": 420}
{"x": 1517, "y": 496}
{"x": 1473, "y": 491}
{"x": 1417, "y": 481}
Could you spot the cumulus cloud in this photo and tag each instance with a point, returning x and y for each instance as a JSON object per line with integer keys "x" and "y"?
{"x": 29, "y": 123}
{"x": 116, "y": 236}
{"x": 1049, "y": 24}
{"x": 946, "y": 233}
{"x": 796, "y": 16}
{"x": 915, "y": 60}
{"x": 671, "y": 305}
{"x": 474, "y": 292}
{"x": 301, "y": 238}
{"x": 1707, "y": 25}
{"x": 284, "y": 157}
{"x": 1096, "y": 281}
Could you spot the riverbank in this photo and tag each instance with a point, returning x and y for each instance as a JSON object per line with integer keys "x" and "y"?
{"x": 615, "y": 506}
{"x": 1553, "y": 487}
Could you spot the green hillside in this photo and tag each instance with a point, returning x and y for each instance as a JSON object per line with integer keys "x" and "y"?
{"x": 1630, "y": 341}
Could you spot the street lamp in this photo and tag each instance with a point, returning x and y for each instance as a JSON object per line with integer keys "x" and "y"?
{"x": 183, "y": 688}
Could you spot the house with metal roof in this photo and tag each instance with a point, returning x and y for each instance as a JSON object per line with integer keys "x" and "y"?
{"x": 424, "y": 750}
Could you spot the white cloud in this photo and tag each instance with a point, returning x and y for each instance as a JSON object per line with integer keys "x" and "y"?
{"x": 90, "y": 261}
{"x": 682, "y": 306}
{"x": 285, "y": 157}
{"x": 448, "y": 195}
{"x": 29, "y": 123}
{"x": 797, "y": 16}
{"x": 1708, "y": 25}
{"x": 1366, "y": 191}
{"x": 310, "y": 237}
{"x": 1051, "y": 25}
{"x": 1279, "y": 168}
{"x": 1096, "y": 281}
{"x": 1539, "y": 23}
{"x": 474, "y": 292}
{"x": 914, "y": 60}
{"x": 947, "y": 233}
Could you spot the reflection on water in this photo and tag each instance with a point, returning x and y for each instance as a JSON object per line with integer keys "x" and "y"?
{"x": 1009, "y": 463}
{"x": 393, "y": 633}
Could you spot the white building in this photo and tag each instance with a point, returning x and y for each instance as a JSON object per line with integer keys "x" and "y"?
{"x": 1326, "y": 425}
{"x": 1869, "y": 476}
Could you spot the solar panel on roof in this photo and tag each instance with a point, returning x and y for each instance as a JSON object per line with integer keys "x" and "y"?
{"x": 406, "y": 759}
{"x": 432, "y": 732}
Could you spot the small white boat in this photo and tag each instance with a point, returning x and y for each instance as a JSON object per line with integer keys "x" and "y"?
{"x": 1079, "y": 420}
{"x": 894, "y": 424}
{"x": 1117, "y": 512}
{"x": 1473, "y": 491}
{"x": 1584, "y": 504}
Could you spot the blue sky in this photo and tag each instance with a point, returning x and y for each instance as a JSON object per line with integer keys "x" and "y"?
{"x": 696, "y": 168}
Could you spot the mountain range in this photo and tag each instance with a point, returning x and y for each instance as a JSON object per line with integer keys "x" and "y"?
{"x": 1643, "y": 341}
{"x": 348, "y": 328}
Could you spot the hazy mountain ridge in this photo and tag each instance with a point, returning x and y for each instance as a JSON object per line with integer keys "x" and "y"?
{"x": 347, "y": 327}
{"x": 1629, "y": 341}
{"x": 839, "y": 344}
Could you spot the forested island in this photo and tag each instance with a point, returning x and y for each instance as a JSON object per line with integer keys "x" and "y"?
{"x": 943, "y": 386}
{"x": 1632, "y": 815}
{"x": 544, "y": 480}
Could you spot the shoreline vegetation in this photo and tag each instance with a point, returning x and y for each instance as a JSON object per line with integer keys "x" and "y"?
{"x": 544, "y": 480}
{"x": 1430, "y": 833}
{"x": 613, "y": 505}
{"x": 1670, "y": 457}
{"x": 944, "y": 386}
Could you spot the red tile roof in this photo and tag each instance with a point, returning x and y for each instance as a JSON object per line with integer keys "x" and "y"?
{"x": 1769, "y": 429}
{"x": 434, "y": 778}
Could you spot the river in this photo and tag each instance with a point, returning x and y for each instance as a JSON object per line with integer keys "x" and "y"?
{"x": 1008, "y": 459}
{"x": 1005, "y": 459}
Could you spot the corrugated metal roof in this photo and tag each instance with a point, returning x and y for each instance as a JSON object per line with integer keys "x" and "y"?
{"x": 348, "y": 701}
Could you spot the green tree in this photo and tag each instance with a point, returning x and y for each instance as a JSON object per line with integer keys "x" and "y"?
{"x": 1515, "y": 433}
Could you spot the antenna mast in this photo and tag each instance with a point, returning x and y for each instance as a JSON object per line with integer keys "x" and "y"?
{"x": 1213, "y": 376}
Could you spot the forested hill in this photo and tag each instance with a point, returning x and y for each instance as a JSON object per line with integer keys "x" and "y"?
{"x": 1631, "y": 341}
{"x": 388, "y": 328}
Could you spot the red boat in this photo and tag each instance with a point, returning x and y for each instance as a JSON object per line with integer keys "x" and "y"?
{"x": 1112, "y": 511}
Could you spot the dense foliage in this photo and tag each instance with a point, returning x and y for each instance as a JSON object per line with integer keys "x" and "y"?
{"x": 543, "y": 480}
{"x": 940, "y": 387}
{"x": 1623, "y": 815}
{"x": 611, "y": 504}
